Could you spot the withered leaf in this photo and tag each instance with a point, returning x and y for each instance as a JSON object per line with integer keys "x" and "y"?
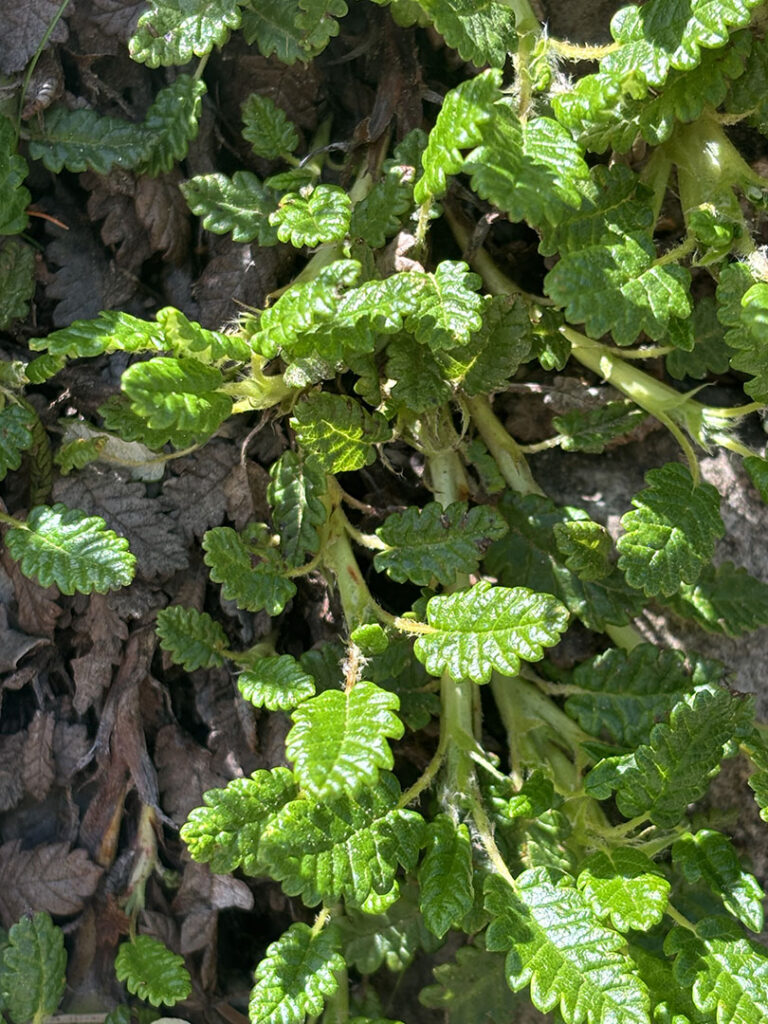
{"x": 104, "y": 632}
{"x": 38, "y": 766}
{"x": 117, "y": 17}
{"x": 198, "y": 930}
{"x": 184, "y": 771}
{"x": 13, "y": 645}
{"x": 245, "y": 489}
{"x": 233, "y": 278}
{"x": 195, "y": 497}
{"x": 163, "y": 212}
{"x": 11, "y": 786}
{"x": 24, "y": 26}
{"x": 37, "y": 610}
{"x": 85, "y": 283}
{"x": 50, "y": 877}
{"x": 70, "y": 745}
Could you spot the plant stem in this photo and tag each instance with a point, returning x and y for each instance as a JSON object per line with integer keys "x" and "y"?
{"x": 505, "y": 450}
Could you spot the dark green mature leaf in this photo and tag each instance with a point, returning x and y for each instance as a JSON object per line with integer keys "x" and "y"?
{"x": 673, "y": 769}
{"x": 267, "y": 128}
{"x": 420, "y": 383}
{"x": 671, "y": 1003}
{"x": 297, "y": 974}
{"x": 344, "y": 847}
{"x": 82, "y": 140}
{"x": 16, "y": 424}
{"x": 240, "y": 205}
{"x": 445, "y": 875}
{"x": 14, "y": 197}
{"x": 32, "y": 969}
{"x": 173, "y": 31}
{"x": 180, "y": 396}
{"x": 192, "y": 638}
{"x": 558, "y": 946}
{"x": 378, "y": 216}
{"x": 436, "y": 542}
{"x": 743, "y": 306}
{"x": 723, "y": 600}
{"x": 71, "y": 549}
{"x": 338, "y": 742}
{"x": 292, "y": 29}
{"x": 316, "y": 214}
{"x": 171, "y": 124}
{"x": 483, "y": 33}
{"x": 472, "y": 989}
{"x": 710, "y": 353}
{"x": 670, "y": 537}
{"x": 17, "y": 272}
{"x": 757, "y": 468}
{"x": 295, "y": 494}
{"x": 487, "y": 628}
{"x": 391, "y": 939}
{"x": 625, "y": 886}
{"x": 397, "y": 670}
{"x": 337, "y": 431}
{"x": 276, "y": 683}
{"x": 629, "y": 691}
{"x": 152, "y": 972}
{"x": 228, "y": 554}
{"x": 710, "y": 856}
{"x": 529, "y": 556}
{"x": 727, "y": 973}
{"x": 591, "y": 429}
{"x": 504, "y": 341}
{"x": 586, "y": 547}
{"x": 226, "y": 833}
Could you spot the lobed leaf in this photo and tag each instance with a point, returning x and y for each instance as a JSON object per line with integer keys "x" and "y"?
{"x": 586, "y": 548}
{"x": 590, "y": 430}
{"x": 241, "y": 205}
{"x": 724, "y": 600}
{"x": 152, "y": 972}
{"x": 392, "y": 938}
{"x": 316, "y": 214}
{"x": 378, "y": 216}
{"x": 13, "y": 170}
{"x": 474, "y": 979}
{"x": 267, "y": 127}
{"x": 446, "y": 893}
{"x": 625, "y": 886}
{"x": 276, "y": 683}
{"x": 299, "y": 971}
{"x": 483, "y": 33}
{"x": 16, "y": 425}
{"x": 17, "y": 271}
{"x": 81, "y": 140}
{"x": 743, "y": 306}
{"x": 295, "y": 494}
{"x": 192, "y": 638}
{"x": 32, "y": 969}
{"x": 252, "y": 587}
{"x": 173, "y": 31}
{"x": 489, "y": 628}
{"x": 710, "y": 856}
{"x": 337, "y": 432}
{"x": 171, "y": 124}
{"x": 448, "y": 310}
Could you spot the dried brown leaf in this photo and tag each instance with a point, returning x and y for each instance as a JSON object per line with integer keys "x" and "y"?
{"x": 14, "y": 645}
{"x": 37, "y": 609}
{"x": 38, "y": 768}
{"x": 233, "y": 278}
{"x": 163, "y": 212}
{"x": 245, "y": 489}
{"x": 49, "y": 877}
{"x": 105, "y": 633}
{"x": 11, "y": 752}
{"x": 195, "y": 496}
{"x": 86, "y": 282}
{"x": 184, "y": 772}
{"x": 117, "y": 17}
{"x": 198, "y": 930}
{"x": 24, "y": 25}
{"x": 70, "y": 746}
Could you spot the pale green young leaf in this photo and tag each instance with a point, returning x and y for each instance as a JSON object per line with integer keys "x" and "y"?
{"x": 558, "y": 946}
{"x": 671, "y": 1003}
{"x": 81, "y": 140}
{"x": 710, "y": 353}
{"x": 743, "y": 307}
{"x": 110, "y": 331}
{"x": 619, "y": 288}
{"x": 252, "y": 587}
{"x": 14, "y": 197}
{"x": 174, "y": 31}
{"x": 79, "y": 452}
{"x": 180, "y": 396}
{"x": 458, "y": 126}
{"x": 337, "y": 431}
{"x": 529, "y": 169}
{"x": 192, "y": 638}
{"x": 240, "y": 205}
{"x": 379, "y": 215}
{"x": 32, "y": 969}
{"x": 316, "y": 214}
{"x": 528, "y": 556}
{"x": 585, "y": 547}
{"x": 504, "y": 341}
{"x": 625, "y": 886}
{"x": 432, "y": 542}
{"x": 627, "y": 692}
{"x": 724, "y": 600}
{"x": 170, "y": 125}
{"x": 483, "y": 33}
{"x": 297, "y": 974}
{"x": 152, "y": 972}
{"x": 119, "y": 418}
{"x": 344, "y": 847}
{"x": 534, "y": 798}
{"x": 295, "y": 494}
{"x": 445, "y": 875}
{"x": 227, "y": 831}
{"x": 397, "y": 670}
{"x": 449, "y": 310}
{"x": 600, "y": 113}
{"x": 590, "y": 430}
{"x": 726, "y": 972}
{"x": 710, "y": 856}
{"x": 670, "y": 536}
{"x": 276, "y": 683}
{"x": 17, "y": 272}
{"x": 182, "y": 337}
{"x": 267, "y": 127}
{"x": 472, "y": 983}
{"x": 16, "y": 424}
{"x": 673, "y": 769}
{"x": 71, "y": 549}
{"x": 391, "y": 939}
{"x": 339, "y": 739}
{"x": 487, "y": 628}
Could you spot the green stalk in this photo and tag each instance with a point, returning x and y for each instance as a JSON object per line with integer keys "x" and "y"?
{"x": 338, "y": 557}
{"x": 503, "y": 448}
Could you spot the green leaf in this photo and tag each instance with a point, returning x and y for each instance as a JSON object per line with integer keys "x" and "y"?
{"x": 558, "y": 946}
{"x": 591, "y": 429}
{"x": 338, "y": 432}
{"x": 458, "y": 126}
{"x": 445, "y": 875}
{"x": 397, "y": 670}
{"x": 487, "y": 628}
{"x": 586, "y": 547}
{"x": 449, "y": 310}
{"x": 391, "y": 939}
{"x": 483, "y": 33}
{"x": 71, "y": 549}
{"x": 15, "y": 198}
{"x": 743, "y": 307}
{"x": 710, "y": 353}
{"x": 725, "y": 600}
{"x": 318, "y": 213}
{"x": 267, "y": 128}
{"x": 673, "y": 769}
{"x": 276, "y": 683}
{"x": 504, "y": 341}
{"x": 297, "y": 974}
{"x": 344, "y": 847}
{"x": 419, "y": 384}
{"x": 174, "y": 31}
{"x": 529, "y": 556}
{"x": 627, "y": 692}
{"x": 152, "y": 972}
{"x": 378, "y": 216}
{"x": 16, "y": 425}
{"x": 292, "y": 29}
{"x": 227, "y": 832}
{"x": 620, "y": 288}
{"x": 119, "y": 418}
{"x": 339, "y": 739}
{"x": 473, "y": 983}
{"x": 241, "y": 205}
{"x": 436, "y": 542}
{"x": 192, "y": 638}
{"x": 17, "y": 272}
{"x": 727, "y": 973}
{"x": 670, "y": 537}
{"x": 671, "y": 1003}
{"x": 184, "y": 337}
{"x": 710, "y": 856}
{"x": 32, "y": 970}
{"x": 757, "y": 468}
{"x": 625, "y": 886}
{"x": 253, "y": 587}
{"x": 81, "y": 140}
{"x": 171, "y": 123}
{"x": 110, "y": 331}
{"x": 295, "y": 494}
